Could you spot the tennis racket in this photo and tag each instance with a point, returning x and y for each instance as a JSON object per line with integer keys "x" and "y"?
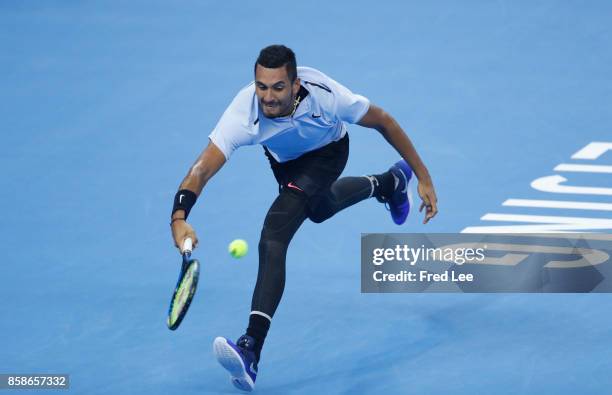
{"x": 185, "y": 287}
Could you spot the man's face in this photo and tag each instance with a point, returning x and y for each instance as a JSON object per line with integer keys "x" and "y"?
{"x": 274, "y": 91}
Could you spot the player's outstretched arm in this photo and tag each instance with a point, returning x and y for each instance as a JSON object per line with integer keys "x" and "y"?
{"x": 206, "y": 166}
{"x": 377, "y": 118}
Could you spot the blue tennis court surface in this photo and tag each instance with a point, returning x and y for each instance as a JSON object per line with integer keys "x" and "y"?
{"x": 105, "y": 105}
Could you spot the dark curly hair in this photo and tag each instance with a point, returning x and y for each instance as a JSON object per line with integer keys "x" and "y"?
{"x": 275, "y": 56}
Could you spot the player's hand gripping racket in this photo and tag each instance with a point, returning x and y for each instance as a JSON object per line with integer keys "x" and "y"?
{"x": 185, "y": 287}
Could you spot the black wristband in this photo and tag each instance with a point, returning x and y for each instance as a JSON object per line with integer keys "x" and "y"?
{"x": 184, "y": 200}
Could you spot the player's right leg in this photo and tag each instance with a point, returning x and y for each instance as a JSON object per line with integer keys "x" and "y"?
{"x": 284, "y": 218}
{"x": 238, "y": 359}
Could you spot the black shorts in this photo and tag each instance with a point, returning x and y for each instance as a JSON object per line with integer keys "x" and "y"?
{"x": 315, "y": 171}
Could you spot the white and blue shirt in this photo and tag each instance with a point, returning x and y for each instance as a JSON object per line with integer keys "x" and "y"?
{"x": 318, "y": 120}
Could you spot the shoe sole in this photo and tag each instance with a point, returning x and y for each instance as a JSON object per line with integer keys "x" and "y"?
{"x": 232, "y": 362}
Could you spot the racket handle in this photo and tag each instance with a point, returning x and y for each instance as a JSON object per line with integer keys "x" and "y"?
{"x": 187, "y": 246}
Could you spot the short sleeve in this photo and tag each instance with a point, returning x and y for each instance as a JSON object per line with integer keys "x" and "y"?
{"x": 233, "y": 131}
{"x": 350, "y": 107}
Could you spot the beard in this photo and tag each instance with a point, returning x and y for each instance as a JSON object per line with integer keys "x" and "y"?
{"x": 277, "y": 108}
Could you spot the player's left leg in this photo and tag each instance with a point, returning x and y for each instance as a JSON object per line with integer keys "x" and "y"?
{"x": 390, "y": 187}
{"x": 328, "y": 195}
{"x": 344, "y": 193}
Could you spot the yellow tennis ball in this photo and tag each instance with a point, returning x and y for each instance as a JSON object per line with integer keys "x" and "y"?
{"x": 238, "y": 248}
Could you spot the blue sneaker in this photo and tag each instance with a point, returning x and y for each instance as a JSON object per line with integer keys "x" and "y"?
{"x": 400, "y": 200}
{"x": 238, "y": 359}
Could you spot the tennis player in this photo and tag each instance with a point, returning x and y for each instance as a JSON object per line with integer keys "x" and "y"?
{"x": 299, "y": 116}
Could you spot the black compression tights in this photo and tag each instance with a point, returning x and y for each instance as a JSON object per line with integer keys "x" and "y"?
{"x": 284, "y": 218}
